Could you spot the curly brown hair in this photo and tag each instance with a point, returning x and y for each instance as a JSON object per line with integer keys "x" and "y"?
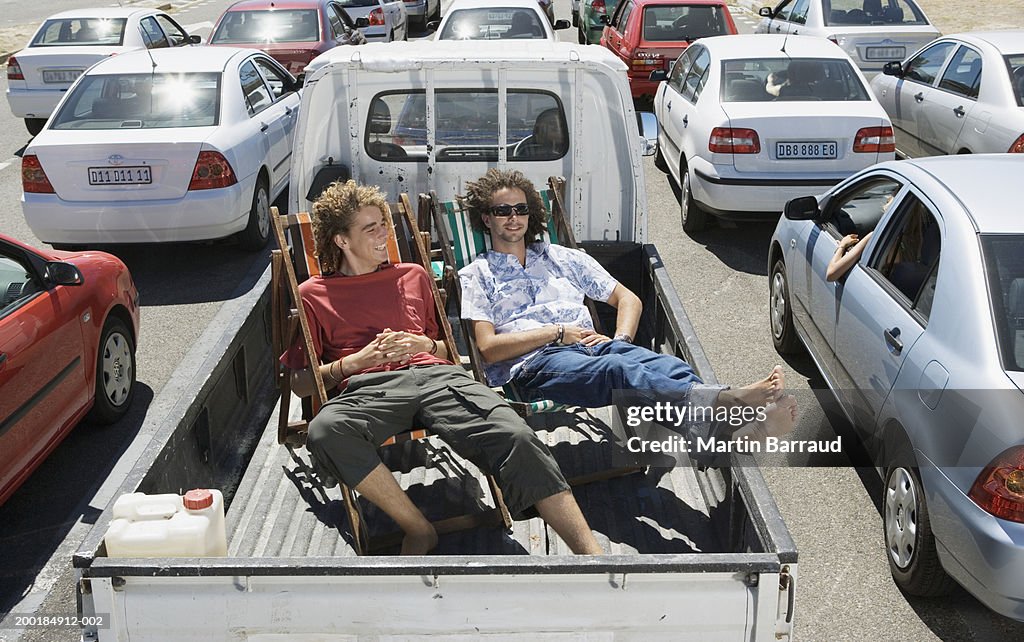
{"x": 478, "y": 199}
{"x": 333, "y": 213}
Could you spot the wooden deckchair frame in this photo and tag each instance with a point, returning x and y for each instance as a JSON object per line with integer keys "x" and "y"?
{"x": 290, "y": 320}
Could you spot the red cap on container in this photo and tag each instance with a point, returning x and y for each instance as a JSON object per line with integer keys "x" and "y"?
{"x": 198, "y": 499}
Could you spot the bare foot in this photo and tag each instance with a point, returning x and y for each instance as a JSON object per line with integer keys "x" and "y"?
{"x": 755, "y": 395}
{"x": 419, "y": 543}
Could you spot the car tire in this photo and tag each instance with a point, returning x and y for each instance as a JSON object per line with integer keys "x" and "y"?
{"x": 909, "y": 541}
{"x": 115, "y": 373}
{"x": 255, "y": 235}
{"x": 575, "y": 19}
{"x": 780, "y": 312}
{"x": 35, "y": 125}
{"x": 693, "y": 218}
{"x": 659, "y": 160}
{"x": 437, "y": 12}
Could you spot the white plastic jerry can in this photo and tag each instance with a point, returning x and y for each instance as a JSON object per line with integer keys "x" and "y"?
{"x": 168, "y": 525}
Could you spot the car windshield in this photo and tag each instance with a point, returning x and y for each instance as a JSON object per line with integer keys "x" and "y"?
{"x": 493, "y": 23}
{"x": 141, "y": 101}
{"x": 1004, "y": 260}
{"x": 280, "y": 25}
{"x": 69, "y": 32}
{"x": 1015, "y": 65}
{"x": 871, "y": 12}
{"x": 782, "y": 79}
{"x": 677, "y": 23}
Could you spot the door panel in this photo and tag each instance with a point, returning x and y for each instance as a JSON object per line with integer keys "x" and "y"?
{"x": 916, "y": 89}
{"x": 949, "y": 107}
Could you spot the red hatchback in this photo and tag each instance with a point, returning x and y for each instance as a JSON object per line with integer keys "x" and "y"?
{"x": 647, "y": 35}
{"x": 68, "y": 327}
{"x": 292, "y": 32}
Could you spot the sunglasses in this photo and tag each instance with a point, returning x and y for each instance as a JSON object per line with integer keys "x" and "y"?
{"x": 505, "y": 209}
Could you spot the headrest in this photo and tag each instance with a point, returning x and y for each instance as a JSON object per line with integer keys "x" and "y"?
{"x": 380, "y": 117}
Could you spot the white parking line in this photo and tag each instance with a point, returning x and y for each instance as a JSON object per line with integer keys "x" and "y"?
{"x": 9, "y": 161}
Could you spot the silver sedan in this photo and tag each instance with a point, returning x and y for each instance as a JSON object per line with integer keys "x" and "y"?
{"x": 962, "y": 94}
{"x": 922, "y": 343}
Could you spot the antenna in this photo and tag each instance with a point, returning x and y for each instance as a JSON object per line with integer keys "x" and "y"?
{"x": 784, "y": 41}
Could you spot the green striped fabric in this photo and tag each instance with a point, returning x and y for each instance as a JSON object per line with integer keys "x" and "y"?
{"x": 469, "y": 243}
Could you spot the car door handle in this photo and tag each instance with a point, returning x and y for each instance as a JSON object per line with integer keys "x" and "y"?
{"x": 669, "y": 107}
{"x": 263, "y": 127}
{"x": 778, "y": 29}
{"x": 287, "y": 111}
{"x": 892, "y": 338}
{"x": 959, "y": 111}
{"x": 919, "y": 96}
{"x": 686, "y": 120}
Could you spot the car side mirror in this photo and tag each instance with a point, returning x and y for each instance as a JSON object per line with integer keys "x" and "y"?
{"x": 894, "y": 68}
{"x": 804, "y": 208}
{"x": 298, "y": 82}
{"x": 61, "y": 273}
{"x": 561, "y": 24}
{"x": 195, "y": 40}
{"x": 658, "y": 75}
{"x": 433, "y": 25}
{"x": 362, "y": 22}
{"x": 649, "y": 132}
{"x": 604, "y": 19}
{"x": 765, "y": 12}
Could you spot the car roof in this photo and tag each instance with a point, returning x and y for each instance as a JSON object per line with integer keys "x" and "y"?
{"x": 762, "y": 45}
{"x": 101, "y": 12}
{"x": 1007, "y": 42}
{"x": 682, "y": 3}
{"x": 416, "y": 53}
{"x": 987, "y": 185}
{"x": 253, "y": 5}
{"x": 483, "y": 4}
{"x": 171, "y": 60}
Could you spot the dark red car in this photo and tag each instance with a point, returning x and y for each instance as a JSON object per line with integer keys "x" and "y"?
{"x": 292, "y": 32}
{"x": 647, "y": 35}
{"x": 68, "y": 328}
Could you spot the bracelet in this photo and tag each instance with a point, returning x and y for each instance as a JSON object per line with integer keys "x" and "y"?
{"x": 330, "y": 371}
{"x": 560, "y": 335}
{"x": 622, "y": 336}
{"x": 433, "y": 346}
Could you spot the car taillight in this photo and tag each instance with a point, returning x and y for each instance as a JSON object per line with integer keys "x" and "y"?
{"x": 14, "y": 69}
{"x": 212, "y": 171}
{"x": 874, "y": 139}
{"x": 598, "y": 6}
{"x": 1017, "y": 147}
{"x": 33, "y": 178}
{"x": 734, "y": 140}
{"x": 376, "y": 17}
{"x": 647, "y": 61}
{"x": 999, "y": 489}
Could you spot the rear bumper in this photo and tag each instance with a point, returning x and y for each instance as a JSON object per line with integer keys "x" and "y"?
{"x": 731, "y": 194}
{"x": 33, "y": 103}
{"x": 198, "y": 216}
{"x": 416, "y": 9}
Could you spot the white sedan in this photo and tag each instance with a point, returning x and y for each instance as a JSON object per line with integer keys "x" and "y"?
{"x": 170, "y": 145}
{"x": 963, "y": 94}
{"x": 871, "y": 32}
{"x": 748, "y": 122}
{"x": 70, "y": 42}
{"x": 497, "y": 19}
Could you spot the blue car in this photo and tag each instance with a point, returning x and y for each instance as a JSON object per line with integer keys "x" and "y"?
{"x": 922, "y": 343}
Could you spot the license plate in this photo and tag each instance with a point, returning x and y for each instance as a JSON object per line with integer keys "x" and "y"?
{"x": 820, "y": 149}
{"x": 61, "y": 75}
{"x": 120, "y": 176}
{"x": 885, "y": 53}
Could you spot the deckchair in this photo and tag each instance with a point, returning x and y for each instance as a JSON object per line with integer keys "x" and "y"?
{"x": 290, "y": 266}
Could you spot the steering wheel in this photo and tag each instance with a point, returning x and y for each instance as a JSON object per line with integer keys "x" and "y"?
{"x": 523, "y": 148}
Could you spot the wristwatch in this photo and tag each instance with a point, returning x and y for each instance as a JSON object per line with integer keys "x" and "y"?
{"x": 622, "y": 336}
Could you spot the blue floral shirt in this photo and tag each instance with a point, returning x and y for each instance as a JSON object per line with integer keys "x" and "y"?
{"x": 549, "y": 290}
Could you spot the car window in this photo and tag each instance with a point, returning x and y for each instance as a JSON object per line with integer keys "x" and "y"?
{"x": 963, "y": 74}
{"x": 141, "y": 101}
{"x": 799, "y": 13}
{"x": 782, "y": 10}
{"x": 908, "y": 257}
{"x": 279, "y": 82}
{"x": 174, "y": 32}
{"x": 278, "y": 25}
{"x": 621, "y": 16}
{"x": 493, "y": 23}
{"x": 926, "y": 65}
{"x": 257, "y": 96}
{"x": 696, "y": 76}
{"x": 338, "y": 23}
{"x": 678, "y": 72}
{"x": 872, "y": 12}
{"x": 859, "y": 209}
{"x": 152, "y": 34}
{"x": 1015, "y": 65}
{"x": 766, "y": 79}
{"x": 18, "y": 282}
{"x": 80, "y": 31}
{"x": 1004, "y": 261}
{"x": 676, "y": 23}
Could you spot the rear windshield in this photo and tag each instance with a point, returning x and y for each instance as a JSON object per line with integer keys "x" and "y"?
{"x": 871, "y": 12}
{"x": 280, "y": 25}
{"x": 677, "y": 23}
{"x": 141, "y": 101}
{"x": 781, "y": 79}
{"x": 80, "y": 31}
{"x": 1015, "y": 65}
{"x": 1004, "y": 260}
{"x": 493, "y": 23}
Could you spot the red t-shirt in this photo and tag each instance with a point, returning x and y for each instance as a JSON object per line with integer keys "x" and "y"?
{"x": 347, "y": 312}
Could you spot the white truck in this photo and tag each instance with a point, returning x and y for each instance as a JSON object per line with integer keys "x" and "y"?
{"x": 695, "y": 552}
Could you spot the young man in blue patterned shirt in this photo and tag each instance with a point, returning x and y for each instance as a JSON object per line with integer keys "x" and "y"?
{"x": 526, "y": 303}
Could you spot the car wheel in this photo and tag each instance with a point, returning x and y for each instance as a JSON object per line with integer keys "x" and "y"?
{"x": 254, "y": 236}
{"x": 34, "y": 125}
{"x": 781, "y": 312}
{"x": 115, "y": 373}
{"x": 909, "y": 541}
{"x": 693, "y": 218}
{"x": 659, "y": 160}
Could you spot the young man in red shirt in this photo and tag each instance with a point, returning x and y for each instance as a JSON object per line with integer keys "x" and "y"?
{"x": 374, "y": 330}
